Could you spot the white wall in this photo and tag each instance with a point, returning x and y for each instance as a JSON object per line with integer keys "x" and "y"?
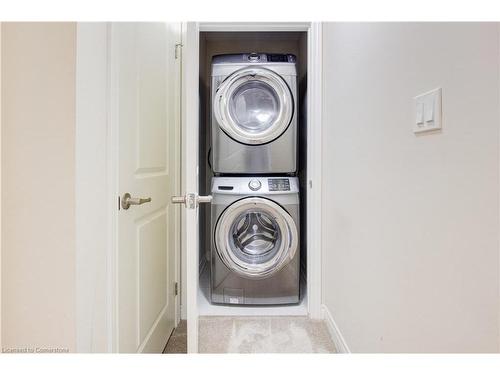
{"x": 38, "y": 185}
{"x": 411, "y": 223}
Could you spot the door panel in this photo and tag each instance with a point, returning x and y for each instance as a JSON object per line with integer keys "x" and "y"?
{"x": 143, "y": 71}
{"x": 152, "y": 97}
{"x": 153, "y": 292}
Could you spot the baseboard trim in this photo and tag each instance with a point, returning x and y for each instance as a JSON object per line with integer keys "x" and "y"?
{"x": 338, "y": 339}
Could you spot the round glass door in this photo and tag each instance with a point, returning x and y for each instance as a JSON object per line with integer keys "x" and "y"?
{"x": 253, "y": 106}
{"x": 255, "y": 237}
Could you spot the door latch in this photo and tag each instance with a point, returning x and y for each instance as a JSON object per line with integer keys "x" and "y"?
{"x": 191, "y": 200}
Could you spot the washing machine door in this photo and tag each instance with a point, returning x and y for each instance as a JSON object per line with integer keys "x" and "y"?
{"x": 255, "y": 237}
{"x": 253, "y": 106}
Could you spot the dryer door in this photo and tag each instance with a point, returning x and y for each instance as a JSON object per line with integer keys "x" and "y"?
{"x": 255, "y": 237}
{"x": 253, "y": 106}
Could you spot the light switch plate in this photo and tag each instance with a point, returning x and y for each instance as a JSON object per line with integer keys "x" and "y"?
{"x": 427, "y": 112}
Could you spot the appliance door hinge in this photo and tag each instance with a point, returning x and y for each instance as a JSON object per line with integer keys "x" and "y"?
{"x": 176, "y": 289}
{"x": 178, "y": 49}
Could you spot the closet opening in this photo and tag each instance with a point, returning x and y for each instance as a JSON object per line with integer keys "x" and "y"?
{"x": 253, "y": 103}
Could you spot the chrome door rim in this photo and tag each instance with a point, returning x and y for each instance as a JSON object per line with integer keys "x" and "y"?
{"x": 288, "y": 244}
{"x": 231, "y": 84}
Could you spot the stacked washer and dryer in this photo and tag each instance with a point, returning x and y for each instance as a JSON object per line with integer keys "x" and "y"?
{"x": 255, "y": 252}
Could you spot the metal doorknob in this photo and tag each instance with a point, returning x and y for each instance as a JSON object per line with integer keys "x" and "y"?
{"x": 179, "y": 199}
{"x": 128, "y": 200}
{"x": 191, "y": 200}
{"x": 204, "y": 198}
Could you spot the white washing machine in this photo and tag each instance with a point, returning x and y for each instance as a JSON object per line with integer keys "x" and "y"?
{"x": 255, "y": 254}
{"x": 254, "y": 114}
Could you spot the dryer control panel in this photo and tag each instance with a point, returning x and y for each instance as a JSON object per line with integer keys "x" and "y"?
{"x": 255, "y": 57}
{"x": 272, "y": 57}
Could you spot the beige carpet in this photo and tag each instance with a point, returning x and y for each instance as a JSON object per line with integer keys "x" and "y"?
{"x": 177, "y": 343}
{"x": 276, "y": 334}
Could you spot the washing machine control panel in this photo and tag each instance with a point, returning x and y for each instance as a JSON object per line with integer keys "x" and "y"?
{"x": 254, "y": 185}
{"x": 278, "y": 184}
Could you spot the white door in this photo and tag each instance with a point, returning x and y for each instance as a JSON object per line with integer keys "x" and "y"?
{"x": 144, "y": 87}
{"x": 190, "y": 151}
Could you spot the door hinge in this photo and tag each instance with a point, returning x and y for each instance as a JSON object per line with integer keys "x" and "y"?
{"x": 176, "y": 289}
{"x": 178, "y": 47}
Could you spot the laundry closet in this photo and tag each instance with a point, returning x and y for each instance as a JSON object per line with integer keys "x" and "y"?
{"x": 252, "y": 161}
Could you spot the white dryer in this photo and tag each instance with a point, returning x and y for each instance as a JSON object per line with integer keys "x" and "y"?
{"x": 254, "y": 114}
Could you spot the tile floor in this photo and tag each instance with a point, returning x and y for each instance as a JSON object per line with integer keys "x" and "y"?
{"x": 177, "y": 343}
{"x": 273, "y": 334}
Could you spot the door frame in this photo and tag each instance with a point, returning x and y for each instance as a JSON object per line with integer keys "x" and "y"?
{"x": 190, "y": 119}
{"x": 1, "y": 185}
{"x": 97, "y": 241}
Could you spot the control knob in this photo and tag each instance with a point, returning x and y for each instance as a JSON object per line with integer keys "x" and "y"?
{"x": 254, "y": 185}
{"x": 253, "y": 57}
